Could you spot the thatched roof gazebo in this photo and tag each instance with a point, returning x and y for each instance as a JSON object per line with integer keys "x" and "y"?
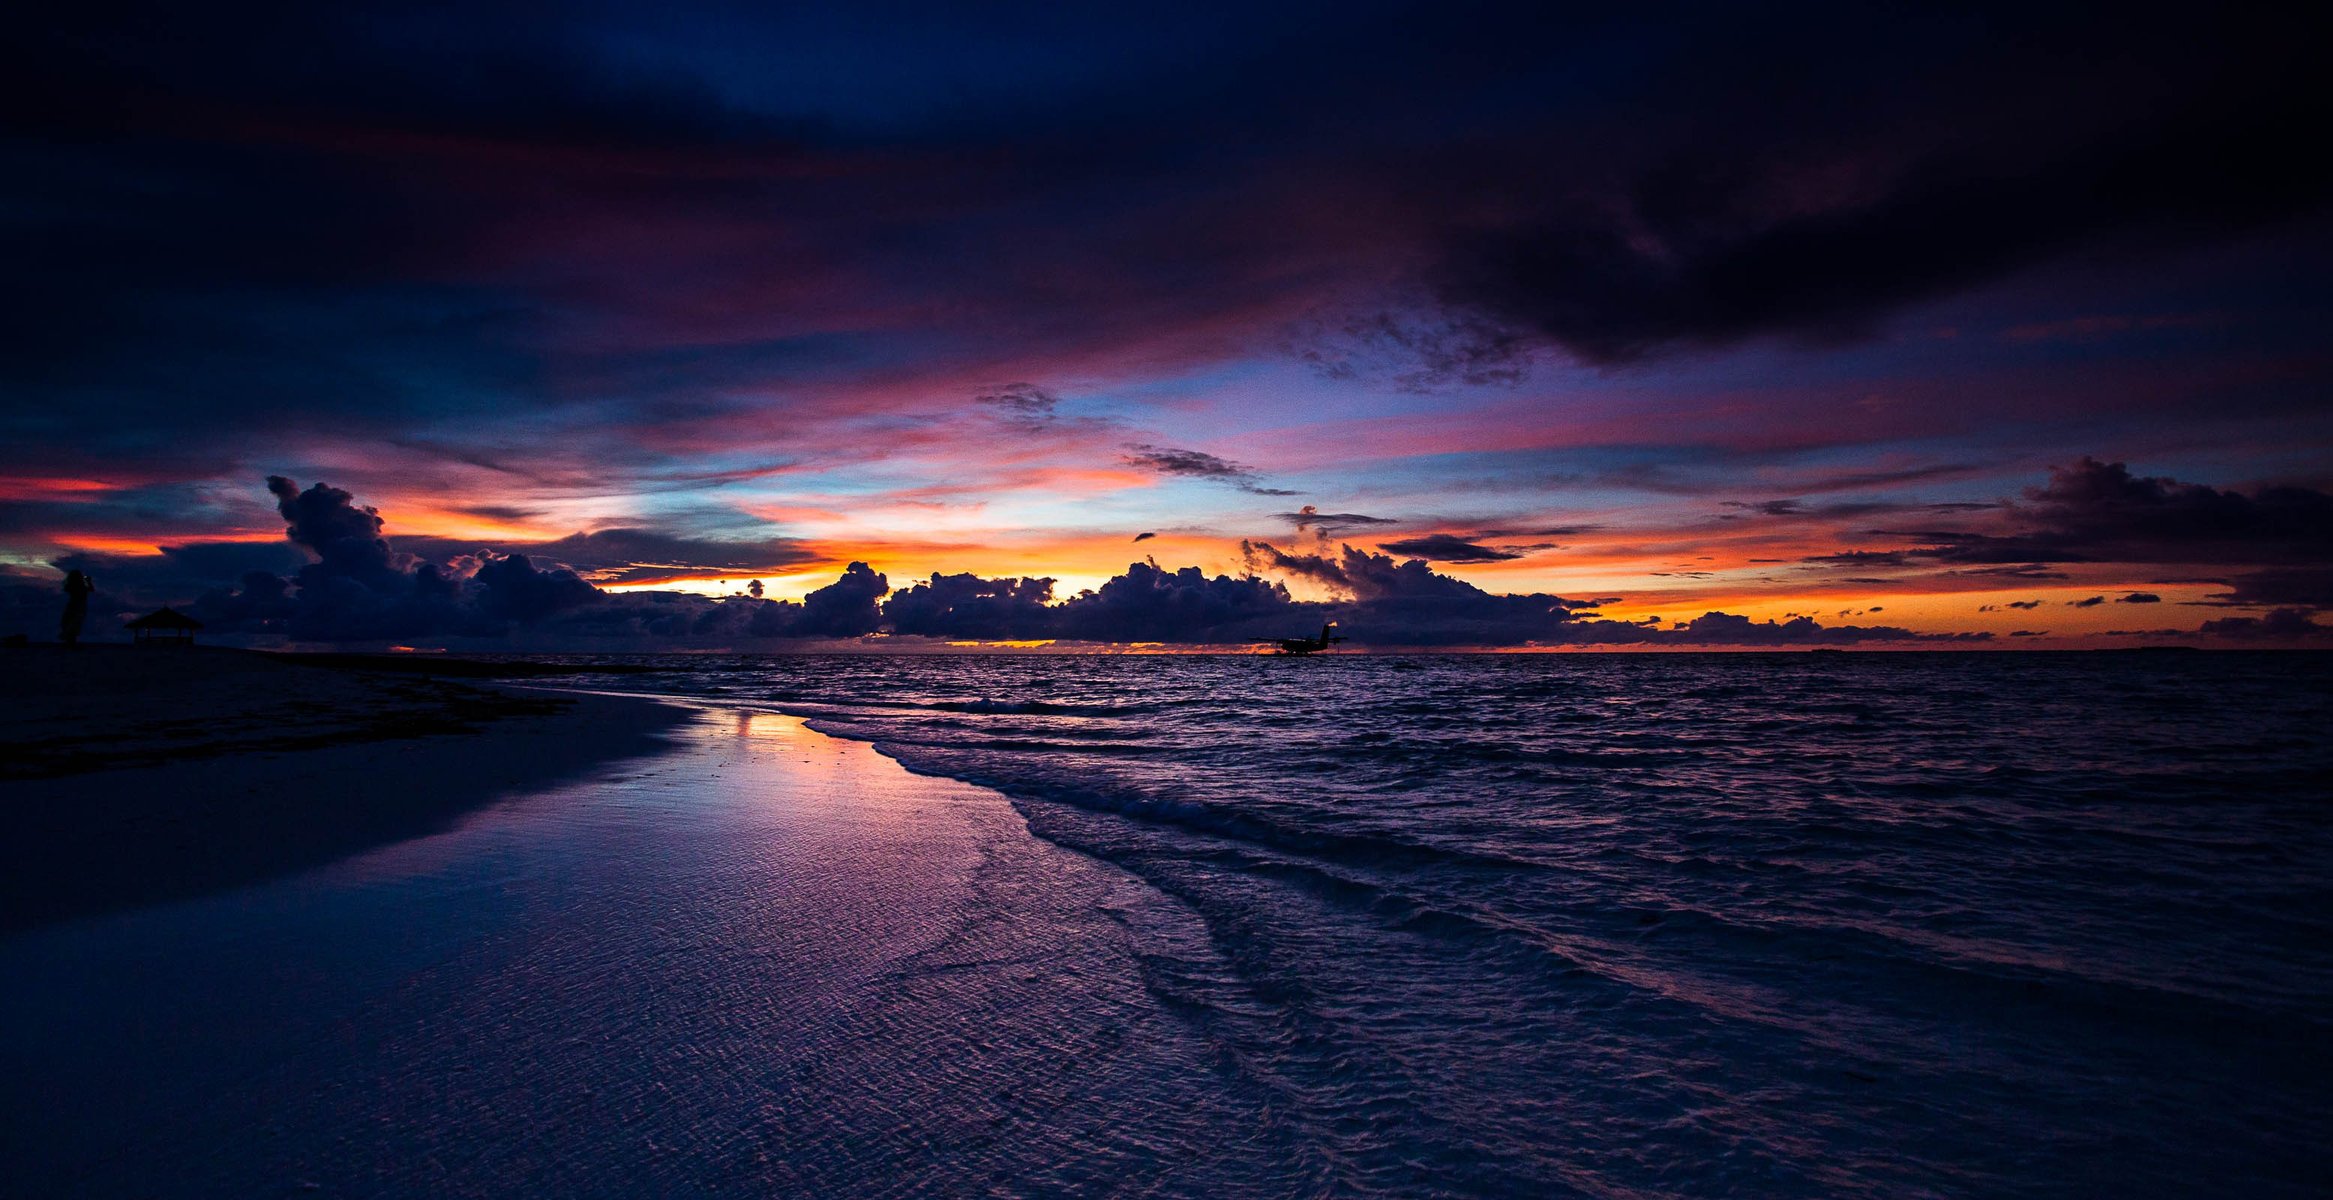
{"x": 165, "y": 627}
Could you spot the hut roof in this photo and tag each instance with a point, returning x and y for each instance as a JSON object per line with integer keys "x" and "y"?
{"x": 166, "y": 618}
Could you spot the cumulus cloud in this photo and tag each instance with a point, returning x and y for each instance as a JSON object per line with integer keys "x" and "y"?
{"x": 345, "y": 537}
{"x": 848, "y": 607}
{"x": 968, "y": 606}
{"x": 1149, "y": 603}
{"x": 358, "y": 587}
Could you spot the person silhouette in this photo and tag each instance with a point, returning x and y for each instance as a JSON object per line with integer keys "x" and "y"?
{"x": 77, "y": 589}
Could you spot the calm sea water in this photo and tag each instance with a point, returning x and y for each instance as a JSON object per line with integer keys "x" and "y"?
{"x": 1636, "y": 925}
{"x": 1623, "y": 926}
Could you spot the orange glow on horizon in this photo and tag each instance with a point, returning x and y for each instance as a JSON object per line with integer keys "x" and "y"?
{"x": 428, "y": 520}
{"x": 107, "y": 543}
{"x": 35, "y": 487}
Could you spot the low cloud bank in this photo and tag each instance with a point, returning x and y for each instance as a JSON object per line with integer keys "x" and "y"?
{"x": 351, "y": 584}
{"x": 354, "y": 586}
{"x": 337, "y": 578}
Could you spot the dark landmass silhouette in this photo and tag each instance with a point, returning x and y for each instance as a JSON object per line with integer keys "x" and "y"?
{"x": 137, "y": 776}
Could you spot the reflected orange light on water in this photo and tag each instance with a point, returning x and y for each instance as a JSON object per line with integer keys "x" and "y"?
{"x": 811, "y": 758}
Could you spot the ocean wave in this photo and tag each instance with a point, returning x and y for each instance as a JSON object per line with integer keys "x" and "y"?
{"x": 1952, "y": 914}
{"x": 1023, "y": 781}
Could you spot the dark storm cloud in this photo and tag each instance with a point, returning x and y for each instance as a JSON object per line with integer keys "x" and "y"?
{"x": 1443, "y": 547}
{"x": 1197, "y": 464}
{"x": 1144, "y": 536}
{"x": 333, "y": 230}
{"x": 2061, "y": 142}
{"x": 2090, "y": 602}
{"x": 2140, "y": 598}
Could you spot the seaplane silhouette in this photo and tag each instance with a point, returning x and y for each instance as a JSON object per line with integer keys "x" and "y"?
{"x": 1306, "y": 645}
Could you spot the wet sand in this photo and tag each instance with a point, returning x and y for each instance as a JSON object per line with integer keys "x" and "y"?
{"x": 766, "y": 962}
{"x": 132, "y": 775}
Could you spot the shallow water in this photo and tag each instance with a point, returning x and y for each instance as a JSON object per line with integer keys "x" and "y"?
{"x": 1639, "y": 925}
{"x": 1858, "y": 925}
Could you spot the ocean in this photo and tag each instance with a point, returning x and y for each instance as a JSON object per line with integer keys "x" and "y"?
{"x": 1860, "y": 925}
{"x": 1857, "y": 924}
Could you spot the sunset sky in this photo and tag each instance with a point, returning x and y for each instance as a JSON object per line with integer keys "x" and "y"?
{"x": 1980, "y": 320}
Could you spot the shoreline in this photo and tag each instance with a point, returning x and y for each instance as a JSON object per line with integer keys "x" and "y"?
{"x": 769, "y": 962}
{"x": 140, "y": 776}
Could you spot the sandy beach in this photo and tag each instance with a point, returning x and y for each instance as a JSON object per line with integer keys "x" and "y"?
{"x": 763, "y": 961}
{"x": 136, "y": 775}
